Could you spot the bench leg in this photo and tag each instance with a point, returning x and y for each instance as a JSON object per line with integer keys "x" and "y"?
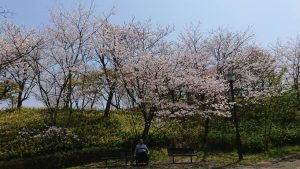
{"x": 191, "y": 159}
{"x": 105, "y": 163}
{"x": 126, "y": 161}
{"x": 173, "y": 160}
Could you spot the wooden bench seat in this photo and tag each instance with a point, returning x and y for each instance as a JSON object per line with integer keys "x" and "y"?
{"x": 114, "y": 155}
{"x": 187, "y": 152}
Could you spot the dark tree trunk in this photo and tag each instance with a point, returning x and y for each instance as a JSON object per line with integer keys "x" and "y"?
{"x": 118, "y": 101}
{"x": 146, "y": 130}
{"x": 236, "y": 126}
{"x": 296, "y": 86}
{"x": 205, "y": 139}
{"x": 266, "y": 127}
{"x": 147, "y": 119}
{"x": 238, "y": 136}
{"x": 206, "y": 129}
{"x": 53, "y": 115}
{"x": 108, "y": 103}
{"x": 20, "y": 94}
{"x": 70, "y": 106}
{"x": 20, "y": 99}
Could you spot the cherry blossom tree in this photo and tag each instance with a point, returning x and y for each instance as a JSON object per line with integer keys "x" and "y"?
{"x": 144, "y": 80}
{"x": 165, "y": 83}
{"x": 206, "y": 89}
{"x": 64, "y": 57}
{"x": 289, "y": 57}
{"x": 110, "y": 47}
{"x": 145, "y": 68}
{"x": 22, "y": 76}
{"x": 235, "y": 52}
{"x": 18, "y": 44}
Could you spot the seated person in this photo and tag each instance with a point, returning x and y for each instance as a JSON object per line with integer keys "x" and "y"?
{"x": 141, "y": 152}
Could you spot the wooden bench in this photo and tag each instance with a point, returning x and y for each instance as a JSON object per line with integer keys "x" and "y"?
{"x": 114, "y": 155}
{"x": 181, "y": 152}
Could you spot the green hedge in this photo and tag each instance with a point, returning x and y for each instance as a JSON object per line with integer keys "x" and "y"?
{"x": 57, "y": 160}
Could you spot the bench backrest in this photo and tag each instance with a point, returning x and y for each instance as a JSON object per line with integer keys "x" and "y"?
{"x": 180, "y": 151}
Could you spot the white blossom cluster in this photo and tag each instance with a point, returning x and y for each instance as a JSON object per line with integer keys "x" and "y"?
{"x": 49, "y": 133}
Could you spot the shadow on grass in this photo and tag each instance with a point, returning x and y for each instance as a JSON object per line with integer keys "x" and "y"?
{"x": 288, "y": 158}
{"x": 227, "y": 165}
{"x": 292, "y": 157}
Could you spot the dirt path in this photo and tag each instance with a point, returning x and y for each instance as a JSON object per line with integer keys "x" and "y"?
{"x": 288, "y": 162}
{"x": 195, "y": 165}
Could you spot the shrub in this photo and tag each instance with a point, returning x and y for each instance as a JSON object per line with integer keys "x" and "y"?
{"x": 253, "y": 143}
{"x": 57, "y": 160}
{"x": 48, "y": 140}
{"x": 218, "y": 140}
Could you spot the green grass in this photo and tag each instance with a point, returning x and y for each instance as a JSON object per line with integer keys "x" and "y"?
{"x": 92, "y": 129}
{"x": 251, "y": 159}
{"x": 160, "y": 156}
{"x": 124, "y": 127}
{"x": 12, "y": 121}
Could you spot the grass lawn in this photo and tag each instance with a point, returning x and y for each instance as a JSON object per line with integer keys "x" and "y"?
{"x": 160, "y": 158}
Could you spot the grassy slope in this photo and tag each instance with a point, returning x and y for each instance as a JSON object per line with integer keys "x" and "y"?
{"x": 97, "y": 132}
{"x": 89, "y": 125}
{"x": 12, "y": 122}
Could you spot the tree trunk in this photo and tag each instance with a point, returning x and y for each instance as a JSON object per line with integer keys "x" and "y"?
{"x": 266, "y": 143}
{"x": 297, "y": 90}
{"x": 236, "y": 125}
{"x": 53, "y": 115}
{"x": 12, "y": 101}
{"x": 237, "y": 134}
{"x": 108, "y": 103}
{"x": 70, "y": 97}
{"x": 20, "y": 94}
{"x": 147, "y": 119}
{"x": 205, "y": 139}
{"x": 118, "y": 101}
{"x": 20, "y": 99}
{"x": 146, "y": 130}
{"x": 269, "y": 129}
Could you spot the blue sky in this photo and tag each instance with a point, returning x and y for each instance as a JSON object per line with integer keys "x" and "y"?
{"x": 268, "y": 19}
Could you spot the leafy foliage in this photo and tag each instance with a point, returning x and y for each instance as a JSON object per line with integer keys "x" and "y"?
{"x": 24, "y": 133}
